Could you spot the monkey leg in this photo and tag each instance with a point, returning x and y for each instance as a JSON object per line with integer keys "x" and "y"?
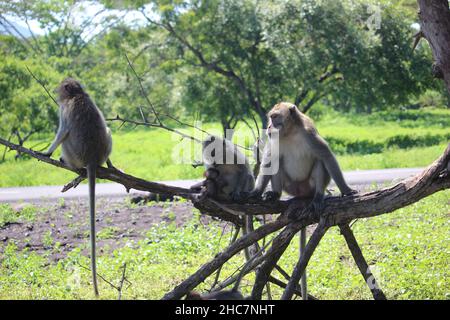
{"x": 319, "y": 179}
{"x": 243, "y": 187}
{"x": 109, "y": 164}
{"x": 277, "y": 187}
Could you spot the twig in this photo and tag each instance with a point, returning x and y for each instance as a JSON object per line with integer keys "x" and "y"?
{"x": 73, "y": 184}
{"x": 281, "y": 284}
{"x": 122, "y": 281}
{"x": 144, "y": 94}
{"x": 42, "y": 85}
{"x": 233, "y": 239}
{"x": 99, "y": 275}
{"x": 154, "y": 125}
{"x": 280, "y": 244}
{"x": 207, "y": 269}
{"x": 419, "y": 35}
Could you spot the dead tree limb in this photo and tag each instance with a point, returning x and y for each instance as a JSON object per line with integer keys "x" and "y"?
{"x": 338, "y": 210}
{"x": 207, "y": 269}
{"x": 304, "y": 259}
{"x": 297, "y": 290}
{"x": 434, "y": 18}
{"x": 361, "y": 262}
{"x": 279, "y": 245}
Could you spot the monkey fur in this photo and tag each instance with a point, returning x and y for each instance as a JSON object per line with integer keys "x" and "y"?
{"x": 86, "y": 143}
{"x": 306, "y": 163}
{"x": 227, "y": 171}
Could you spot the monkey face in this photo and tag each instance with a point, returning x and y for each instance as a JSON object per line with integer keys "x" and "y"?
{"x": 280, "y": 117}
{"x": 211, "y": 173}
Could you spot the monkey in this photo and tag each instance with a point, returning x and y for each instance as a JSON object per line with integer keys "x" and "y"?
{"x": 227, "y": 172}
{"x": 306, "y": 163}
{"x": 211, "y": 186}
{"x": 86, "y": 143}
{"x": 233, "y": 179}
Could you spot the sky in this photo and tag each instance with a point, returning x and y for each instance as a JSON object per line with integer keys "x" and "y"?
{"x": 89, "y": 9}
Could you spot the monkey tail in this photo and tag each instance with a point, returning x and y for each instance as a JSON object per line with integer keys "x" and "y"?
{"x": 91, "y": 173}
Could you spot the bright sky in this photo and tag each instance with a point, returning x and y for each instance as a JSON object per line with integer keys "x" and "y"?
{"x": 88, "y": 9}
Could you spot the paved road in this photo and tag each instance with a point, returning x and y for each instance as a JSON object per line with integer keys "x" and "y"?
{"x": 355, "y": 178}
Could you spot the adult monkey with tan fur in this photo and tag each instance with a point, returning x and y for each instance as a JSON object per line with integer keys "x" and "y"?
{"x": 86, "y": 143}
{"x": 305, "y": 162}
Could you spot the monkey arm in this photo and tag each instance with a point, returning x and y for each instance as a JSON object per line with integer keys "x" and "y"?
{"x": 263, "y": 179}
{"x": 61, "y": 135}
{"x": 243, "y": 185}
{"x": 198, "y": 186}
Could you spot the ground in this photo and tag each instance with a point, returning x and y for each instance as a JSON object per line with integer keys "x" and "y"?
{"x": 66, "y": 223}
{"x": 44, "y": 251}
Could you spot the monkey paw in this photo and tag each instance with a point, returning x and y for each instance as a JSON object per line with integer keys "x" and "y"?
{"x": 271, "y": 196}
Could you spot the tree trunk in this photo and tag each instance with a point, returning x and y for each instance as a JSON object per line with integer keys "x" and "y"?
{"x": 434, "y": 18}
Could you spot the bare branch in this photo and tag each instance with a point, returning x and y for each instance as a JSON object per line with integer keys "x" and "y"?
{"x": 144, "y": 94}
{"x": 42, "y": 85}
{"x": 361, "y": 262}
{"x": 304, "y": 259}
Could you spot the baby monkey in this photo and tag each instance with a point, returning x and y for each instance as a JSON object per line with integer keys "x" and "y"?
{"x": 211, "y": 185}
{"x": 86, "y": 143}
{"x": 228, "y": 174}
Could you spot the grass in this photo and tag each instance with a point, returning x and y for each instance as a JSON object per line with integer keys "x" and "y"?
{"x": 407, "y": 250}
{"x": 8, "y": 215}
{"x": 373, "y": 141}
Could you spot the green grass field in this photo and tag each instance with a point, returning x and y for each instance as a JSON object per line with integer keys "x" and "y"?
{"x": 361, "y": 142}
{"x": 407, "y": 250}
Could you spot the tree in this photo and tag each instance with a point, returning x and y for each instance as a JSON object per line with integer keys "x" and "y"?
{"x": 24, "y": 108}
{"x": 435, "y": 27}
{"x": 303, "y": 51}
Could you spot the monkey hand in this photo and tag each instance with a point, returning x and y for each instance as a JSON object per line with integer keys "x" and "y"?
{"x": 240, "y": 196}
{"x": 271, "y": 196}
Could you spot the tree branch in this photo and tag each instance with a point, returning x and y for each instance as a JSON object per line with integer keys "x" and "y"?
{"x": 361, "y": 262}
{"x": 304, "y": 259}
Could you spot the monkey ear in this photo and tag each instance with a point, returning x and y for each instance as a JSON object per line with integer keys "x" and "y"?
{"x": 292, "y": 108}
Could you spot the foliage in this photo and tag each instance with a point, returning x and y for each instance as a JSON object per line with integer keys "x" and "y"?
{"x": 8, "y": 214}
{"x": 217, "y": 60}
{"x": 329, "y": 52}
{"x": 24, "y": 105}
